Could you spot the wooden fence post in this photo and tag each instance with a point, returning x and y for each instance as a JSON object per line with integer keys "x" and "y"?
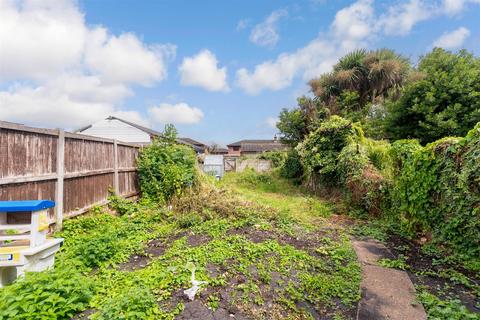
{"x": 60, "y": 177}
{"x": 116, "y": 185}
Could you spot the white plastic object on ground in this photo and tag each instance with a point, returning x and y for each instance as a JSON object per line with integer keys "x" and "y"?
{"x": 191, "y": 292}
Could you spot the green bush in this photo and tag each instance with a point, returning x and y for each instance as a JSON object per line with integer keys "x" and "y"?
{"x": 55, "y": 294}
{"x": 445, "y": 101}
{"x": 292, "y": 167}
{"x": 438, "y": 191}
{"x": 92, "y": 251}
{"x": 276, "y": 157}
{"x": 320, "y": 149}
{"x": 165, "y": 169}
{"x": 359, "y": 167}
{"x": 401, "y": 152}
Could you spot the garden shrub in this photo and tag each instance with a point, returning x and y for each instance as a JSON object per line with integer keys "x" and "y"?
{"x": 364, "y": 183}
{"x": 292, "y": 167}
{"x": 443, "y": 102}
{"x": 320, "y": 149}
{"x": 401, "y": 152}
{"x": 438, "y": 191}
{"x": 165, "y": 168}
{"x": 378, "y": 152}
{"x": 121, "y": 205}
{"x": 53, "y": 294}
{"x": 276, "y": 157}
{"x": 94, "y": 250}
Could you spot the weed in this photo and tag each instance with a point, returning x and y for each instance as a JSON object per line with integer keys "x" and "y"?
{"x": 56, "y": 294}
{"x": 440, "y": 309}
{"x": 134, "y": 303}
{"x": 399, "y": 263}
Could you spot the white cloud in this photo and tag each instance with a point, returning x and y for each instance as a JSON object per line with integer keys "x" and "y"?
{"x": 265, "y": 34}
{"x": 401, "y": 18}
{"x": 242, "y": 24}
{"x": 180, "y": 113}
{"x": 355, "y": 26}
{"x": 279, "y": 73}
{"x": 125, "y": 58}
{"x": 48, "y": 104}
{"x": 453, "y": 7}
{"x": 39, "y": 39}
{"x": 132, "y": 116}
{"x": 316, "y": 57}
{"x": 272, "y": 122}
{"x": 202, "y": 70}
{"x": 59, "y": 72}
{"x": 452, "y": 40}
{"x": 354, "y": 23}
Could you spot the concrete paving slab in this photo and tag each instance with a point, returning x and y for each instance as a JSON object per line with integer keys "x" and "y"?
{"x": 370, "y": 251}
{"x": 386, "y": 293}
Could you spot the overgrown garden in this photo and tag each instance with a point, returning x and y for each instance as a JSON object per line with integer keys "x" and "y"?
{"x": 400, "y": 144}
{"x": 264, "y": 248}
{"x": 383, "y": 149}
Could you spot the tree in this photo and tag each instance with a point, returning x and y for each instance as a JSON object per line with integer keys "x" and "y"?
{"x": 445, "y": 102}
{"x": 366, "y": 76}
{"x": 170, "y": 133}
{"x": 320, "y": 149}
{"x": 295, "y": 124}
{"x": 292, "y": 126}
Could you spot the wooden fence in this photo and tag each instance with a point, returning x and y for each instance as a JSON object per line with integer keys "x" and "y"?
{"x": 74, "y": 170}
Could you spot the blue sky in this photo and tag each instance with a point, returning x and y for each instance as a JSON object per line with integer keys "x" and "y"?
{"x": 220, "y": 70}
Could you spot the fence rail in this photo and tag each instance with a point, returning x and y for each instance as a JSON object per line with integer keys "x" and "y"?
{"x": 74, "y": 170}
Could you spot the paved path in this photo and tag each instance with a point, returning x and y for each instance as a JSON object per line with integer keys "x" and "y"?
{"x": 386, "y": 293}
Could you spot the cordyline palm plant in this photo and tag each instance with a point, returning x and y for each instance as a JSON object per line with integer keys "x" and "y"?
{"x": 372, "y": 75}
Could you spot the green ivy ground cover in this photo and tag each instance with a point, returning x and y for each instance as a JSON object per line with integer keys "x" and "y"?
{"x": 275, "y": 255}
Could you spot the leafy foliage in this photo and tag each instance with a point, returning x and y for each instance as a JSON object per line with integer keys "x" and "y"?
{"x": 295, "y": 124}
{"x": 292, "y": 167}
{"x": 319, "y": 151}
{"x": 445, "y": 102}
{"x": 57, "y": 294}
{"x": 95, "y": 250}
{"x": 399, "y": 263}
{"x": 166, "y": 168}
{"x": 360, "y": 165}
{"x": 440, "y": 183}
{"x": 360, "y": 78}
{"x": 450, "y": 309}
{"x": 276, "y": 157}
{"x": 136, "y": 303}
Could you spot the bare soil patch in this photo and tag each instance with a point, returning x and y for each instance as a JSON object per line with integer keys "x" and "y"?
{"x": 426, "y": 270}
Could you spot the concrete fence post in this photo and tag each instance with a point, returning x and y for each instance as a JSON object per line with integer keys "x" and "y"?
{"x": 60, "y": 177}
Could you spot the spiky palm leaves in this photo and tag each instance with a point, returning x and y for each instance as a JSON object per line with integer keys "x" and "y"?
{"x": 371, "y": 74}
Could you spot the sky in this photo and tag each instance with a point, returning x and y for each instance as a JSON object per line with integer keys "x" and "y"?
{"x": 220, "y": 71}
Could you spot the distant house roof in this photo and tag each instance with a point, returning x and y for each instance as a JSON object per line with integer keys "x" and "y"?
{"x": 258, "y": 145}
{"x": 242, "y": 142}
{"x": 219, "y": 151}
{"x": 194, "y": 142}
{"x": 139, "y": 127}
{"x": 151, "y": 132}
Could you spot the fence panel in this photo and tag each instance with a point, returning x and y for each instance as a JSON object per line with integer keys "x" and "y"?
{"x": 74, "y": 170}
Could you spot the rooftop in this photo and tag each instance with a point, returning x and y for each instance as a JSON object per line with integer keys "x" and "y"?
{"x": 257, "y": 141}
